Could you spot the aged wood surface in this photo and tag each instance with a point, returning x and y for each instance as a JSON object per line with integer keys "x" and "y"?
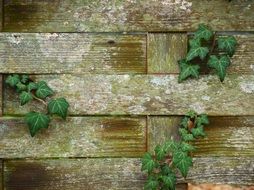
{"x": 164, "y": 50}
{"x": 145, "y": 95}
{"x": 76, "y": 137}
{"x": 226, "y": 136}
{"x": 1, "y": 175}
{"x": 116, "y": 173}
{"x": 1, "y": 95}
{"x": 77, "y": 53}
{"x": 131, "y": 15}
{"x": 1, "y": 15}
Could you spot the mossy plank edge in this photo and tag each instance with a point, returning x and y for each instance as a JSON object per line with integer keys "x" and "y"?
{"x": 226, "y": 136}
{"x": 144, "y": 95}
{"x": 164, "y": 50}
{"x": 75, "y": 137}
{"x": 116, "y": 173}
{"x": 77, "y": 53}
{"x": 121, "y": 15}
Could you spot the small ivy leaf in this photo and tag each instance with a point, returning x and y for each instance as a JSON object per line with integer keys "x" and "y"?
{"x": 228, "y": 44}
{"x": 12, "y": 80}
{"x": 21, "y": 87}
{"x": 160, "y": 152}
{"x": 170, "y": 146}
{"x": 169, "y": 181}
{"x": 24, "y": 79}
{"x": 187, "y": 70}
{"x": 148, "y": 164}
{"x": 151, "y": 184}
{"x": 197, "y": 51}
{"x": 185, "y": 135}
{"x": 185, "y": 122}
{"x": 59, "y": 107}
{"x": 182, "y": 161}
{"x": 195, "y": 42}
{"x": 203, "y": 32}
{"x": 220, "y": 65}
{"x": 43, "y": 90}
{"x": 25, "y": 97}
{"x": 201, "y": 120}
{"x": 198, "y": 132}
{"x": 32, "y": 86}
{"x": 166, "y": 170}
{"x": 187, "y": 147}
{"x": 192, "y": 114}
{"x": 36, "y": 121}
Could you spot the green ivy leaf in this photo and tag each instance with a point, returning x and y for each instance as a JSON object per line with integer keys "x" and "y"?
{"x": 203, "y": 32}
{"x": 24, "y": 79}
{"x": 43, "y": 90}
{"x": 151, "y": 184}
{"x": 169, "y": 181}
{"x": 184, "y": 122}
{"x": 160, "y": 152}
{"x": 187, "y": 147}
{"x": 59, "y": 107}
{"x": 195, "y": 43}
{"x": 185, "y": 135}
{"x": 220, "y": 65}
{"x": 148, "y": 164}
{"x": 12, "y": 80}
{"x": 187, "y": 70}
{"x": 36, "y": 121}
{"x": 182, "y": 161}
{"x": 21, "y": 87}
{"x": 197, "y": 51}
{"x": 25, "y": 97}
{"x": 170, "y": 145}
{"x": 201, "y": 120}
{"x": 192, "y": 114}
{"x": 198, "y": 132}
{"x": 32, "y": 86}
{"x": 228, "y": 44}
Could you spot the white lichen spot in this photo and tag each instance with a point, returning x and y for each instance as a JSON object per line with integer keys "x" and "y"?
{"x": 51, "y": 36}
{"x": 137, "y": 109}
{"x": 197, "y": 107}
{"x": 206, "y": 98}
{"x": 15, "y": 39}
{"x": 247, "y": 87}
{"x": 160, "y": 81}
{"x": 252, "y": 67}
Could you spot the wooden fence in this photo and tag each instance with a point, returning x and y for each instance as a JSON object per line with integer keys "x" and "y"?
{"x": 116, "y": 63}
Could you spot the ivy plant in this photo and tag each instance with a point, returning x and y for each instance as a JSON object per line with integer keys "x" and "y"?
{"x": 173, "y": 155}
{"x": 206, "y": 47}
{"x": 29, "y": 90}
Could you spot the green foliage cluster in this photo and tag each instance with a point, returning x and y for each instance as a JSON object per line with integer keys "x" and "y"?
{"x": 29, "y": 90}
{"x": 173, "y": 155}
{"x": 207, "y": 48}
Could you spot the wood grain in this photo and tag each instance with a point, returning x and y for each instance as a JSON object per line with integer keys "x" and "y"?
{"x": 121, "y": 15}
{"x": 116, "y": 173}
{"x": 144, "y": 95}
{"x": 226, "y": 136}
{"x": 77, "y": 53}
{"x": 76, "y": 137}
{"x": 1, "y": 95}
{"x": 164, "y": 50}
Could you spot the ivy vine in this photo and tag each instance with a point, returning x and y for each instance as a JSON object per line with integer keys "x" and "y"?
{"x": 206, "y": 47}
{"x": 29, "y": 90}
{"x": 173, "y": 155}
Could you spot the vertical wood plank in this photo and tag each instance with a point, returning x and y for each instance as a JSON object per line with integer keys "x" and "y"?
{"x": 1, "y": 175}
{"x": 164, "y": 50}
{"x": 1, "y": 95}
{"x": 1, "y": 15}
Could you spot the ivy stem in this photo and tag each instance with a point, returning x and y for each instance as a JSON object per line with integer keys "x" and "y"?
{"x": 213, "y": 43}
{"x": 40, "y": 100}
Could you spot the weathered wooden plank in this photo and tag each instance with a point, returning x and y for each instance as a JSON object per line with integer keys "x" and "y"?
{"x": 1, "y": 175}
{"x": 226, "y": 136}
{"x": 145, "y": 95}
{"x": 164, "y": 50}
{"x": 120, "y": 15}
{"x": 72, "y": 53}
{"x": 116, "y": 173}
{"x": 1, "y": 95}
{"x": 76, "y": 137}
{"x": 1, "y": 15}
{"x": 205, "y": 186}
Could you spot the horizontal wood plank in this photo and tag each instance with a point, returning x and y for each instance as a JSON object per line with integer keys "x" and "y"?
{"x": 164, "y": 52}
{"x": 76, "y": 137}
{"x": 77, "y": 53}
{"x": 226, "y": 136}
{"x": 144, "y": 95}
{"x": 120, "y": 15}
{"x": 116, "y": 173}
